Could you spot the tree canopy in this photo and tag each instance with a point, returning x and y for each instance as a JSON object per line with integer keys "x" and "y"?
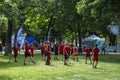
{"x": 74, "y": 18}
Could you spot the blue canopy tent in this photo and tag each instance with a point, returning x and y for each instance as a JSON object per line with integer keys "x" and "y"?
{"x": 32, "y": 40}
{"x": 92, "y": 40}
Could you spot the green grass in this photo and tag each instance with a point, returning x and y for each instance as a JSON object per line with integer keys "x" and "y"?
{"x": 108, "y": 69}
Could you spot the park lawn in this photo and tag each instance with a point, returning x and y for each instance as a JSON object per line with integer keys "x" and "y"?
{"x": 108, "y": 69}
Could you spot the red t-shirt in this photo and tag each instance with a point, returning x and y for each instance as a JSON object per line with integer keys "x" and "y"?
{"x": 47, "y": 49}
{"x": 26, "y": 49}
{"x": 42, "y": 48}
{"x": 32, "y": 49}
{"x": 87, "y": 50}
{"x": 15, "y": 50}
{"x": 61, "y": 47}
{"x": 95, "y": 52}
{"x": 66, "y": 50}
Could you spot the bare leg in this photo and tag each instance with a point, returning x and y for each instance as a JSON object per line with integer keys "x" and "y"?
{"x": 32, "y": 59}
{"x": 86, "y": 60}
{"x": 25, "y": 61}
{"x": 77, "y": 58}
{"x": 90, "y": 60}
{"x": 93, "y": 64}
{"x": 96, "y": 64}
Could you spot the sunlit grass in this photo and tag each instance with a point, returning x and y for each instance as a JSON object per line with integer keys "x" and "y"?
{"x": 108, "y": 69}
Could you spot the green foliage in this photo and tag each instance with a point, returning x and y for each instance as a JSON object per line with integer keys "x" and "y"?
{"x": 69, "y": 18}
{"x": 98, "y": 14}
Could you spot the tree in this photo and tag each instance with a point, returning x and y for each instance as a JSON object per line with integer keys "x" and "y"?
{"x": 9, "y": 10}
{"x": 99, "y": 12}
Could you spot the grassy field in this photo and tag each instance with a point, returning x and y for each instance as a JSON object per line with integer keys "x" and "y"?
{"x": 108, "y": 69}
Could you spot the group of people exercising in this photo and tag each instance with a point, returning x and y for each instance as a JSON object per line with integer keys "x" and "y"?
{"x": 59, "y": 49}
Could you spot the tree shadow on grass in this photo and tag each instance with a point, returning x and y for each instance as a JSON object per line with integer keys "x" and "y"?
{"x": 5, "y": 77}
{"x": 4, "y": 61}
{"x": 110, "y": 58}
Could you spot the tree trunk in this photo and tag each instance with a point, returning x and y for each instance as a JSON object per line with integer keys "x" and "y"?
{"x": 8, "y": 38}
{"x": 112, "y": 39}
{"x": 49, "y": 25}
{"x": 79, "y": 30}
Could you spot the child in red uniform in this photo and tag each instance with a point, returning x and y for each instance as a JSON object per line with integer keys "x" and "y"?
{"x": 66, "y": 53}
{"x": 60, "y": 49}
{"x": 75, "y": 52}
{"x": 27, "y": 53}
{"x": 15, "y": 49}
{"x": 47, "y": 52}
{"x": 95, "y": 51}
{"x": 87, "y": 52}
{"x": 32, "y": 50}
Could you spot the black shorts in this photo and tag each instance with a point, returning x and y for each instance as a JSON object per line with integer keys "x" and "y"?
{"x": 42, "y": 53}
{"x": 66, "y": 56}
{"x": 103, "y": 49}
{"x": 88, "y": 56}
{"x": 15, "y": 55}
{"x": 45, "y": 53}
{"x": 61, "y": 53}
{"x": 56, "y": 52}
{"x": 27, "y": 55}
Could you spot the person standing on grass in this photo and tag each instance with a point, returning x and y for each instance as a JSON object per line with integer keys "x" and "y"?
{"x": 87, "y": 53}
{"x": 47, "y": 52}
{"x": 103, "y": 48}
{"x": 15, "y": 50}
{"x": 60, "y": 49}
{"x": 32, "y": 48}
{"x": 75, "y": 53}
{"x": 27, "y": 53}
{"x": 66, "y": 53}
{"x": 95, "y": 54}
{"x": 56, "y": 50}
{"x": 42, "y": 48}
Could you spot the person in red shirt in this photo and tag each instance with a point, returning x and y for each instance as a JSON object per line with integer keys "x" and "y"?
{"x": 87, "y": 52}
{"x": 15, "y": 49}
{"x": 42, "y": 48}
{"x": 60, "y": 49}
{"x": 95, "y": 53}
{"x": 32, "y": 48}
{"x": 47, "y": 52}
{"x": 66, "y": 53}
{"x": 27, "y": 53}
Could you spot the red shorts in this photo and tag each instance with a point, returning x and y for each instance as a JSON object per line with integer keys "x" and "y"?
{"x": 95, "y": 59}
